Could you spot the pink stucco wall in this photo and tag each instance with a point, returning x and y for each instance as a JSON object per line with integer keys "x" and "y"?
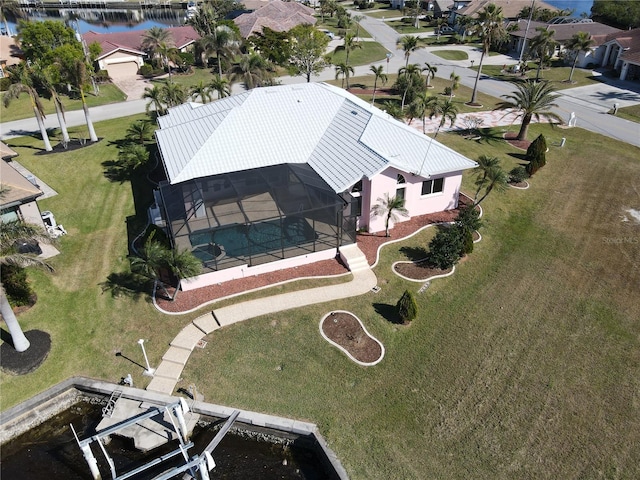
{"x": 415, "y": 202}
{"x": 243, "y": 271}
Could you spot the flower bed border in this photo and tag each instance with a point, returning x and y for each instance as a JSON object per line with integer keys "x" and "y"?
{"x": 344, "y": 350}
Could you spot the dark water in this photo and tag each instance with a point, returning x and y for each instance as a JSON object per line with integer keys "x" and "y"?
{"x": 50, "y": 452}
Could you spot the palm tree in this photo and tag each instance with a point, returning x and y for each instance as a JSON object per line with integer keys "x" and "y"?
{"x": 140, "y": 131}
{"x": 78, "y": 76}
{"x": 532, "y": 99}
{"x": 455, "y": 83}
{"x": 420, "y": 105}
{"x": 222, "y": 41}
{"x": 9, "y": 233}
{"x": 154, "y": 38}
{"x": 490, "y": 28}
{"x": 350, "y": 43}
{"x": 221, "y": 86}
{"x": 496, "y": 179}
{"x": 578, "y": 43}
{"x": 431, "y": 73}
{"x": 409, "y": 73}
{"x": 346, "y": 71}
{"x": 448, "y": 111}
{"x": 183, "y": 264}
{"x": 390, "y": 208}
{"x": 542, "y": 45}
{"x": 151, "y": 262}
{"x": 22, "y": 82}
{"x": 156, "y": 97}
{"x": 46, "y": 79}
{"x": 485, "y": 163}
{"x": 252, "y": 70}
{"x": 168, "y": 54}
{"x": 379, "y": 74}
{"x": 173, "y": 94}
{"x": 464, "y": 21}
{"x": 409, "y": 44}
{"x": 201, "y": 90}
{"x": 357, "y": 19}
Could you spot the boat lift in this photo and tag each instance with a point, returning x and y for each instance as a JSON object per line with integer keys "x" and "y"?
{"x": 201, "y": 464}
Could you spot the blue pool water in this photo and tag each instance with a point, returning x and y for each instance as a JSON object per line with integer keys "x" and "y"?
{"x": 256, "y": 238}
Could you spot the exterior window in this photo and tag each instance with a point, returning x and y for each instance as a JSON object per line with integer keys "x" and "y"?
{"x": 358, "y": 206}
{"x": 432, "y": 186}
{"x": 401, "y": 179}
{"x": 10, "y": 215}
{"x": 400, "y": 193}
{"x": 357, "y": 187}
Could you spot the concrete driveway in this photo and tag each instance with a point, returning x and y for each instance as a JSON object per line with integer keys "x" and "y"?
{"x": 132, "y": 85}
{"x": 604, "y": 95}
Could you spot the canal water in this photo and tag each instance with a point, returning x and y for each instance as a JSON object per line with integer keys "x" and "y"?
{"x": 50, "y": 452}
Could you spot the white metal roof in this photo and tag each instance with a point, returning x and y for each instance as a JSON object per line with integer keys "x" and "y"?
{"x": 341, "y": 137}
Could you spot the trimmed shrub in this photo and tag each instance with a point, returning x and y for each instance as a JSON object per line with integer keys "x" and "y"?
{"x": 102, "y": 76}
{"x": 16, "y": 285}
{"x": 146, "y": 70}
{"x": 518, "y": 174}
{"x": 446, "y": 248}
{"x": 536, "y": 154}
{"x": 467, "y": 222}
{"x": 5, "y": 83}
{"x": 407, "y": 307}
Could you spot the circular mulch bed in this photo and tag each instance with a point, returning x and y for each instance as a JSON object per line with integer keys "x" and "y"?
{"x": 419, "y": 270}
{"x": 512, "y": 140}
{"x": 347, "y": 332}
{"x": 519, "y": 185}
{"x": 74, "y": 144}
{"x": 21, "y": 363}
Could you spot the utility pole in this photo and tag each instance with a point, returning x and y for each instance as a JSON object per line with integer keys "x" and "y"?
{"x": 524, "y": 41}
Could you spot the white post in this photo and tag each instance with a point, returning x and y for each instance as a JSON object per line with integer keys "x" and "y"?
{"x": 149, "y": 371}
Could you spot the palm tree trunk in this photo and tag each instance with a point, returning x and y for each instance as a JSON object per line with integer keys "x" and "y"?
{"x": 373, "y": 98}
{"x": 87, "y": 116}
{"x": 522, "y": 134}
{"x": 404, "y": 96}
{"x": 219, "y": 63}
{"x": 20, "y": 342}
{"x": 487, "y": 192}
{"x": 475, "y": 85}
{"x": 573, "y": 67}
{"x": 62, "y": 123}
{"x": 43, "y": 130}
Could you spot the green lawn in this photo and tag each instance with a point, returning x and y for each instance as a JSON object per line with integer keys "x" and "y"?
{"x": 523, "y": 364}
{"x": 451, "y": 54}
{"x": 369, "y": 53}
{"x": 462, "y": 94}
{"x": 385, "y": 13}
{"x": 630, "y": 113}
{"x": 403, "y": 27}
{"x": 21, "y": 107}
{"x": 331, "y": 24}
{"x": 557, "y": 75}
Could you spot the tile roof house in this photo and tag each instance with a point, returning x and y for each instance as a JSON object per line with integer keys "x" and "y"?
{"x": 122, "y": 52}
{"x": 564, "y": 31}
{"x": 510, "y": 8}
{"x": 18, "y": 201}
{"x": 277, "y": 15}
{"x": 622, "y": 52}
{"x": 285, "y": 175}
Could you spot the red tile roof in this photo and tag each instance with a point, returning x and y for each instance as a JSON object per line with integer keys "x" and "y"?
{"x": 629, "y": 40}
{"x": 276, "y": 15}
{"x": 132, "y": 40}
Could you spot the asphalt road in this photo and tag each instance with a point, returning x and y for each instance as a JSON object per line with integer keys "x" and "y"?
{"x": 589, "y": 104}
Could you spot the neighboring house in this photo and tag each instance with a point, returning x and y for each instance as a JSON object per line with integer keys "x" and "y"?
{"x": 282, "y": 176}
{"x": 18, "y": 201}
{"x": 9, "y": 53}
{"x": 122, "y": 53}
{"x": 434, "y": 8}
{"x": 622, "y": 52}
{"x": 563, "y": 32}
{"x": 277, "y": 15}
{"x": 510, "y": 8}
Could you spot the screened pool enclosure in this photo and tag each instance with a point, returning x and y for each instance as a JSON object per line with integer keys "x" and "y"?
{"x": 256, "y": 216}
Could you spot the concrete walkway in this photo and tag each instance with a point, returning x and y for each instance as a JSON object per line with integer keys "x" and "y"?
{"x": 174, "y": 360}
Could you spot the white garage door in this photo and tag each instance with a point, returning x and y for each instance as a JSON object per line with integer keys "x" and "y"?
{"x": 122, "y": 70}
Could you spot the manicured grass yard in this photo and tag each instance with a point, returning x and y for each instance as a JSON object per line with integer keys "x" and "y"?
{"x": 523, "y": 364}
{"x": 21, "y": 107}
{"x": 451, "y": 54}
{"x": 369, "y": 53}
{"x": 557, "y": 75}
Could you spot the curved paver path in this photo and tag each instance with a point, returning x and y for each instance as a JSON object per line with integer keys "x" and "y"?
{"x": 173, "y": 362}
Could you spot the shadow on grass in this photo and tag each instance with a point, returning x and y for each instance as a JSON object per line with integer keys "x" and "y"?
{"x": 414, "y": 253}
{"x": 490, "y": 135}
{"x": 388, "y": 312}
{"x": 520, "y": 156}
{"x": 128, "y": 285}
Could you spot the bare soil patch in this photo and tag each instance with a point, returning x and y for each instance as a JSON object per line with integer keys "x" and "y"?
{"x": 345, "y": 330}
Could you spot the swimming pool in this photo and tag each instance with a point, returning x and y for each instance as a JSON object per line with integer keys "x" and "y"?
{"x": 256, "y": 238}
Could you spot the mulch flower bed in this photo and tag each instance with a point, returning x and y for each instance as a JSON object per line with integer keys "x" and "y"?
{"x": 367, "y": 242}
{"x": 345, "y": 330}
{"x": 419, "y": 270}
{"x": 511, "y": 139}
{"x": 522, "y": 184}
